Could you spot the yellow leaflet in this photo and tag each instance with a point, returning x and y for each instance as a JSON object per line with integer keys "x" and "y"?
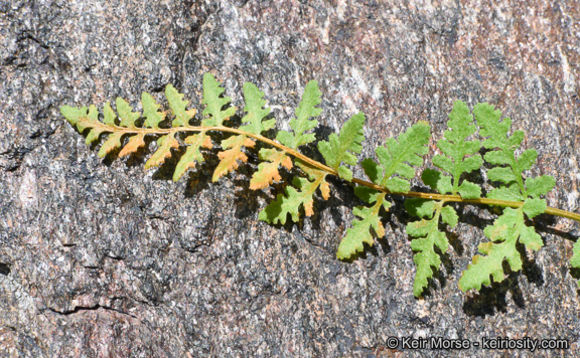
{"x": 134, "y": 143}
{"x": 192, "y": 153}
{"x": 268, "y": 171}
{"x": 319, "y": 177}
{"x": 163, "y": 151}
{"x": 112, "y": 143}
{"x": 229, "y": 158}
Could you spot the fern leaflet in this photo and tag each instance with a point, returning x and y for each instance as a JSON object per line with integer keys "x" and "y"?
{"x": 342, "y": 148}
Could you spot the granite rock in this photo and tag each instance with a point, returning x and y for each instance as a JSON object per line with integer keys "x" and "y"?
{"x": 99, "y": 258}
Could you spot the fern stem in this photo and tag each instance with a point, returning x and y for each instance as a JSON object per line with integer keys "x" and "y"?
{"x": 329, "y": 170}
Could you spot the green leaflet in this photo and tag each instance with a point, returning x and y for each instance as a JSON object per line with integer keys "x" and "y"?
{"x": 73, "y": 114}
{"x": 506, "y": 231}
{"x": 256, "y": 111}
{"x": 192, "y": 154}
{"x": 109, "y": 115}
{"x": 425, "y": 257}
{"x": 534, "y": 207}
{"x": 151, "y": 110}
{"x": 459, "y": 153}
{"x": 126, "y": 114}
{"x": 302, "y": 123}
{"x": 508, "y": 170}
{"x": 575, "y": 260}
{"x": 300, "y": 194}
{"x": 449, "y": 216}
{"x": 394, "y": 156}
{"x": 508, "y": 192}
{"x": 342, "y": 148}
{"x": 409, "y": 148}
{"x": 510, "y": 227}
{"x": 427, "y": 237}
{"x": 112, "y": 143}
{"x": 214, "y": 102}
{"x": 361, "y": 230}
{"x": 178, "y": 107}
{"x": 82, "y": 118}
{"x": 437, "y": 181}
{"x": 540, "y": 185}
{"x": 426, "y": 231}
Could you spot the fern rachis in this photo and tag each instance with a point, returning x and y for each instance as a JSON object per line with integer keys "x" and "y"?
{"x": 397, "y": 162}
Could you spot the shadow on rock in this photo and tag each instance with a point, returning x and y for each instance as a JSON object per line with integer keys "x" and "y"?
{"x": 490, "y": 300}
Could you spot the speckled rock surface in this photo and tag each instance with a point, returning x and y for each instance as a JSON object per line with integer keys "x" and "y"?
{"x": 99, "y": 259}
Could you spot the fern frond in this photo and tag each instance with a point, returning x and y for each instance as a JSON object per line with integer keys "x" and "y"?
{"x": 125, "y": 131}
{"x": 510, "y": 227}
